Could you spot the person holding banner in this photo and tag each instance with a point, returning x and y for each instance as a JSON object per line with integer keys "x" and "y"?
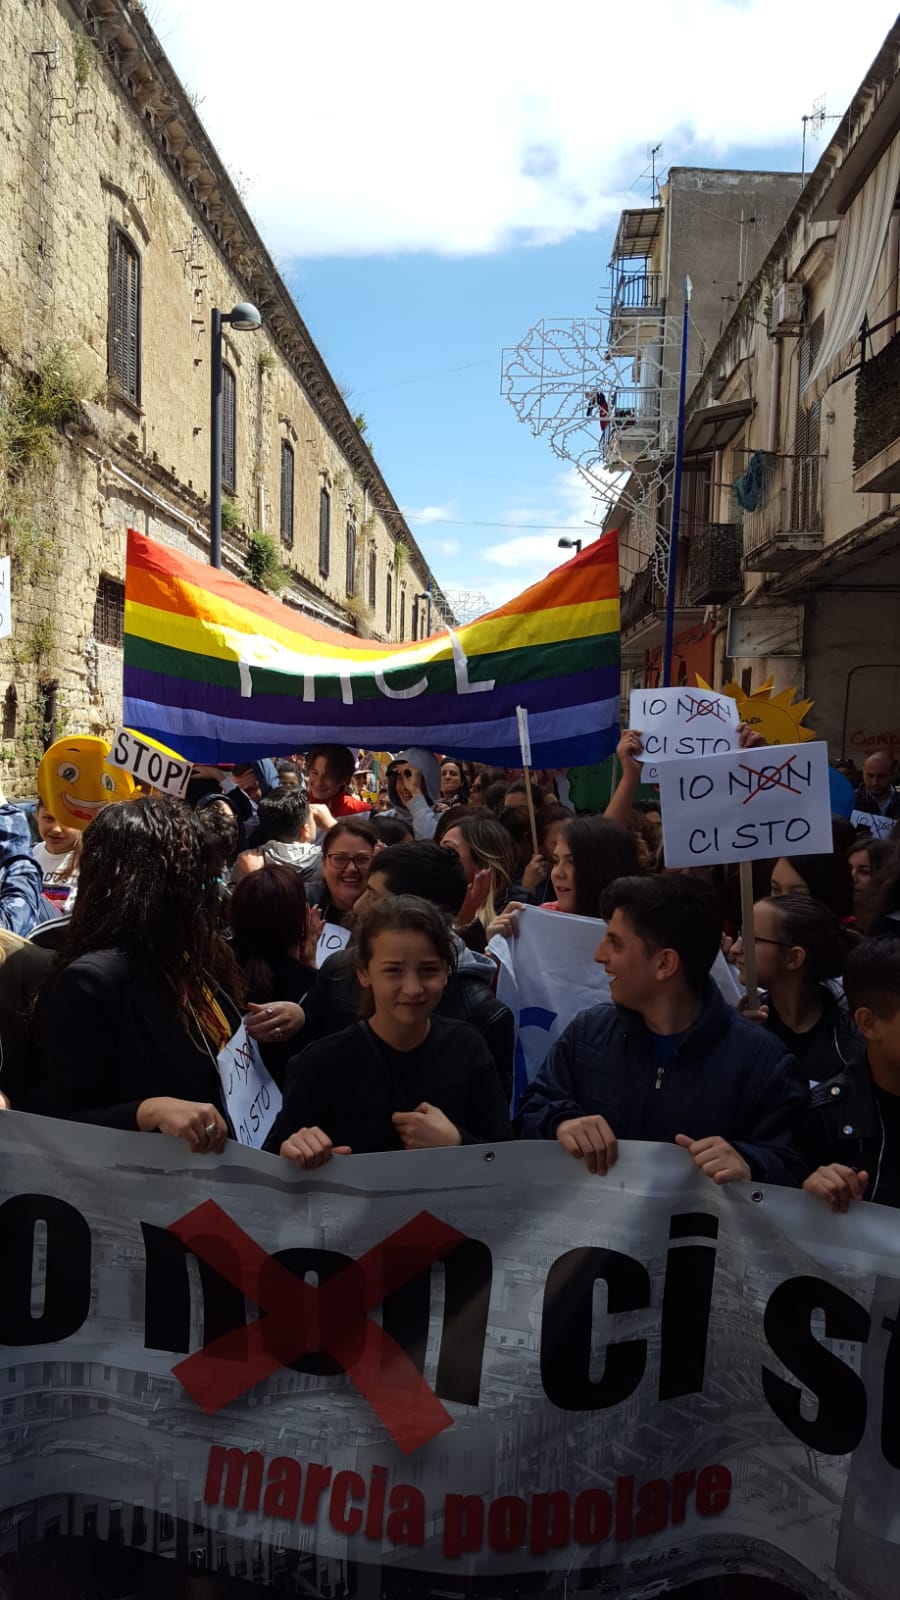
{"x": 404, "y": 1079}
{"x": 590, "y": 853}
{"x": 851, "y": 1133}
{"x": 800, "y": 949}
{"x": 269, "y": 920}
{"x": 670, "y": 1060}
{"x": 129, "y": 1028}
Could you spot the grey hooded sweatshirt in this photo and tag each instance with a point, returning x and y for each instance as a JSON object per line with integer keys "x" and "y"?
{"x": 420, "y": 814}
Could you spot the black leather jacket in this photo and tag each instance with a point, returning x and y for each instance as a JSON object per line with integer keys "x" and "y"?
{"x": 844, "y": 1124}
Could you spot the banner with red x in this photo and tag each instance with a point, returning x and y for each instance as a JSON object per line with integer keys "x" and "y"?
{"x": 297, "y": 1319}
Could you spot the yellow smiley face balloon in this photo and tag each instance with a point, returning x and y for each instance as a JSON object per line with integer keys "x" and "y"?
{"x": 75, "y": 780}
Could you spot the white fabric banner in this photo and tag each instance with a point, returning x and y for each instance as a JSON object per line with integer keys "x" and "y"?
{"x": 628, "y": 1382}
{"x": 548, "y": 974}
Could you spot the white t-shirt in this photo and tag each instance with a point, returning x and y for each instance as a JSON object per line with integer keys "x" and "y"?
{"x": 59, "y": 886}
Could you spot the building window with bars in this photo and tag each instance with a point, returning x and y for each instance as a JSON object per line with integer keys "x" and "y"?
{"x": 389, "y": 604}
{"x": 403, "y": 613}
{"x": 373, "y": 579}
{"x": 124, "y": 359}
{"x": 109, "y": 612}
{"x": 229, "y": 430}
{"x": 287, "y": 493}
{"x": 324, "y": 532}
{"x": 805, "y": 506}
{"x": 351, "y": 557}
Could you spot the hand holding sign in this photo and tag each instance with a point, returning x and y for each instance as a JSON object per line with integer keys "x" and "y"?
{"x": 252, "y": 1098}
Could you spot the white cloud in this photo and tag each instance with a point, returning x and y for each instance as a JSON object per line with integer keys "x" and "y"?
{"x": 418, "y": 129}
{"x": 449, "y": 547}
{"x": 425, "y": 515}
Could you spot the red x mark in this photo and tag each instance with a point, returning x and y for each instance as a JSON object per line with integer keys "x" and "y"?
{"x": 706, "y": 708}
{"x": 297, "y": 1319}
{"x": 768, "y": 780}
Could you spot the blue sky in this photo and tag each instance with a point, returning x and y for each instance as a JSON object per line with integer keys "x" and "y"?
{"x": 432, "y": 183}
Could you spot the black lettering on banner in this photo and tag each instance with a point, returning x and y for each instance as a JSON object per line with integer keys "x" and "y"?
{"x": 687, "y": 1301}
{"x": 154, "y": 766}
{"x": 67, "y": 1270}
{"x": 699, "y": 787}
{"x": 840, "y": 1420}
{"x": 140, "y": 750}
{"x": 322, "y": 1265}
{"x": 120, "y": 751}
{"x": 167, "y": 1294}
{"x": 797, "y": 829}
{"x": 567, "y": 1328}
{"x": 890, "y": 1398}
{"x": 173, "y": 770}
{"x": 468, "y": 1271}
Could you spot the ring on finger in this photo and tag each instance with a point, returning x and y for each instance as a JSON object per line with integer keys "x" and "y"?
{"x": 209, "y": 1129}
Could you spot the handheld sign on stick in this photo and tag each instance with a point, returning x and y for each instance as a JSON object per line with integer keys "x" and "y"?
{"x": 150, "y": 762}
{"x": 525, "y": 747}
{"x": 680, "y": 723}
{"x": 746, "y": 805}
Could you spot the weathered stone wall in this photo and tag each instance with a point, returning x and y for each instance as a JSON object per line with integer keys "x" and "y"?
{"x": 81, "y": 150}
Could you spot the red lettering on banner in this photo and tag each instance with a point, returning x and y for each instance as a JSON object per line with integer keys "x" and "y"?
{"x": 297, "y": 1320}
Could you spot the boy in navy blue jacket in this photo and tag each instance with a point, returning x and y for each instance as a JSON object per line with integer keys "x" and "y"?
{"x": 670, "y": 1060}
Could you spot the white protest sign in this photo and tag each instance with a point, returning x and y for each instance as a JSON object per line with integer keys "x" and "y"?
{"x": 676, "y": 723}
{"x": 150, "y": 763}
{"x": 5, "y": 597}
{"x": 746, "y": 805}
{"x": 331, "y": 940}
{"x": 252, "y": 1097}
{"x": 878, "y": 826}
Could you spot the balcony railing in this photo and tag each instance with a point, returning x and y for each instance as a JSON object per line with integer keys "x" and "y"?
{"x": 632, "y": 425}
{"x": 644, "y": 602}
{"x": 637, "y": 292}
{"x": 876, "y": 439}
{"x": 786, "y": 525}
{"x": 715, "y": 574}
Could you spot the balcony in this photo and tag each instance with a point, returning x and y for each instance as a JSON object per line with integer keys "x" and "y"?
{"x": 876, "y": 439}
{"x": 786, "y": 526}
{"x": 714, "y": 574}
{"x": 631, "y": 433}
{"x": 636, "y": 307}
{"x": 644, "y": 610}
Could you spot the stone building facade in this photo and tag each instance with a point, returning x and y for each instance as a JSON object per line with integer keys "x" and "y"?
{"x": 122, "y": 230}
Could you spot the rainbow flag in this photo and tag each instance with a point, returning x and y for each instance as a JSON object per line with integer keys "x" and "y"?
{"x": 222, "y": 672}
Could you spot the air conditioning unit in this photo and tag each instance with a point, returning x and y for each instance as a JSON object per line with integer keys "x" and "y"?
{"x": 787, "y": 307}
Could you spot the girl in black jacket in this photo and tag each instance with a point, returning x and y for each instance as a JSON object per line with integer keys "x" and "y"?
{"x": 404, "y": 1079}
{"x": 145, "y": 995}
{"x": 800, "y": 946}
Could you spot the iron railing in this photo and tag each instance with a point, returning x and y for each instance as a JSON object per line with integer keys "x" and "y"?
{"x": 637, "y": 291}
{"x": 790, "y": 500}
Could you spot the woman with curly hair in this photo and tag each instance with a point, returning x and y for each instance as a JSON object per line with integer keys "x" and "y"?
{"x": 144, "y": 994}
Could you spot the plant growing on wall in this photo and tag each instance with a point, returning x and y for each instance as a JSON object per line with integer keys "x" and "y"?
{"x": 263, "y": 568}
{"x": 231, "y": 516}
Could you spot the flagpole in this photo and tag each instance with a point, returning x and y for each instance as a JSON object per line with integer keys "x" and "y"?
{"x": 676, "y": 497}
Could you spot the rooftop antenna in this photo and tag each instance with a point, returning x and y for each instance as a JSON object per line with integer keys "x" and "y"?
{"x": 815, "y": 121}
{"x": 653, "y": 151}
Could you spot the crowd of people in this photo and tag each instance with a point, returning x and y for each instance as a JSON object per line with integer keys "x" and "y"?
{"x": 133, "y": 952}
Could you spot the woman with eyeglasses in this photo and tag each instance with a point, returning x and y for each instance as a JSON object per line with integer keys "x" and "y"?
{"x": 347, "y": 852}
{"x": 800, "y": 948}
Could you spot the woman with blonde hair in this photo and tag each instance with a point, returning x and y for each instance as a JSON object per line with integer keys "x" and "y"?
{"x": 487, "y": 855}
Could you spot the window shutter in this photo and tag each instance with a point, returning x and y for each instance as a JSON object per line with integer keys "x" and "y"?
{"x": 229, "y": 430}
{"x": 287, "y": 493}
{"x": 324, "y": 532}
{"x": 805, "y": 483}
{"x": 373, "y": 579}
{"x": 125, "y": 316}
{"x": 351, "y": 558}
{"x": 389, "y": 607}
{"x": 403, "y": 613}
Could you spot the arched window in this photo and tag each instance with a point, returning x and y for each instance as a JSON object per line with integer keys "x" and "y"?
{"x": 287, "y": 493}
{"x": 124, "y": 357}
{"x": 324, "y": 532}
{"x": 351, "y": 556}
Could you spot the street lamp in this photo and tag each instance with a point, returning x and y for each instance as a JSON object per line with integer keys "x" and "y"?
{"x": 570, "y": 544}
{"x": 244, "y": 318}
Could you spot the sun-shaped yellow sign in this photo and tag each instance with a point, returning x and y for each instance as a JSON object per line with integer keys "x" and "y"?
{"x": 778, "y": 717}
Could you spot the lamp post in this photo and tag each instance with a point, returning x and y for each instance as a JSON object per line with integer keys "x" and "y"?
{"x": 570, "y": 544}
{"x": 244, "y": 318}
{"x": 671, "y": 585}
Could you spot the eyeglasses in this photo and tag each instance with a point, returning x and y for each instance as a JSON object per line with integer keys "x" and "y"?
{"x": 341, "y": 863}
{"x": 758, "y": 939}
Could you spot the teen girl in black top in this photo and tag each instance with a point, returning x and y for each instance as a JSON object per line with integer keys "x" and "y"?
{"x": 403, "y": 1079}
